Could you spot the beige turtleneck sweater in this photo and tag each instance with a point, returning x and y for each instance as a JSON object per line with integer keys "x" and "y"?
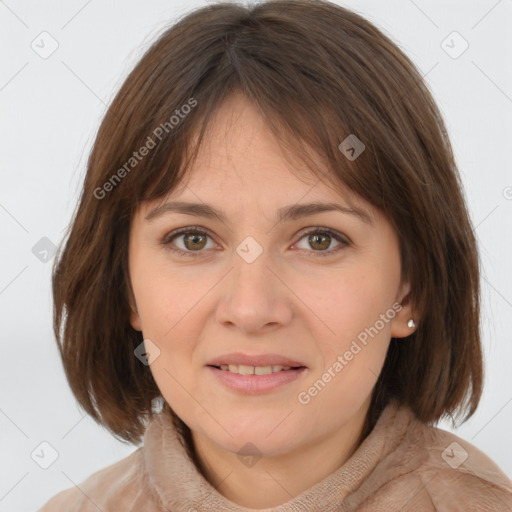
{"x": 403, "y": 465}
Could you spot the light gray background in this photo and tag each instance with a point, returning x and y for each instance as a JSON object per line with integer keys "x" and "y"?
{"x": 51, "y": 109}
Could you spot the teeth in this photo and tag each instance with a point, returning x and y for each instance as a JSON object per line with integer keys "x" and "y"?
{"x": 243, "y": 369}
{"x": 262, "y": 370}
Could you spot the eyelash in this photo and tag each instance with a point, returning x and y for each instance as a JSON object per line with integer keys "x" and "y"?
{"x": 200, "y": 231}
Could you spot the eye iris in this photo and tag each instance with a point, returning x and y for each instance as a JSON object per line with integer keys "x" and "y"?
{"x": 197, "y": 240}
{"x": 193, "y": 238}
{"x": 315, "y": 239}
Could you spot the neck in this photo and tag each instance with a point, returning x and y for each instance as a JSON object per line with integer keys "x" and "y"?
{"x": 274, "y": 480}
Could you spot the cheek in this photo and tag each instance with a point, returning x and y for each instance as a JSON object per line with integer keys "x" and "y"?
{"x": 357, "y": 315}
{"x": 169, "y": 302}
{"x": 347, "y": 302}
{"x": 163, "y": 297}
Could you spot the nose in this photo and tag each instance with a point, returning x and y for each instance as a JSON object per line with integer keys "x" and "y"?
{"x": 254, "y": 297}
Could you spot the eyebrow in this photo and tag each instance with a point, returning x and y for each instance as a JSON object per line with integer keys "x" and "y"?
{"x": 287, "y": 213}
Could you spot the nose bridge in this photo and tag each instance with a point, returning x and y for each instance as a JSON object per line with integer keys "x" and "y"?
{"x": 252, "y": 297}
{"x": 251, "y": 279}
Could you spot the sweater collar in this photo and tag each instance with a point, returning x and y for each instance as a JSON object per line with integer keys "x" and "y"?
{"x": 178, "y": 485}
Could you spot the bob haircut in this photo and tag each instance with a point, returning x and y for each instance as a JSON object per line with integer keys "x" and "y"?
{"x": 317, "y": 72}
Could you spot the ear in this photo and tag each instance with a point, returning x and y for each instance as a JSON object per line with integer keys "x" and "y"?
{"x": 399, "y": 324}
{"x": 134, "y": 314}
{"x": 135, "y": 320}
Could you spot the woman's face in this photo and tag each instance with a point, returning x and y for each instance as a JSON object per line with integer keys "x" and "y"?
{"x": 318, "y": 290}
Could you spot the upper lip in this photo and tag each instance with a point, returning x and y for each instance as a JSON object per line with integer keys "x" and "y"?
{"x": 255, "y": 360}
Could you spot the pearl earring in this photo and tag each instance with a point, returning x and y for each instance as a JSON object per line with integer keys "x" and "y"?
{"x": 411, "y": 323}
{"x": 157, "y": 404}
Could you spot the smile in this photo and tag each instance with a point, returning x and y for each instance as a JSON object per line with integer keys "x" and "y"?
{"x": 253, "y": 380}
{"x": 244, "y": 369}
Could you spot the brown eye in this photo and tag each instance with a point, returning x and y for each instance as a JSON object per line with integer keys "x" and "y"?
{"x": 194, "y": 241}
{"x": 187, "y": 241}
{"x": 318, "y": 241}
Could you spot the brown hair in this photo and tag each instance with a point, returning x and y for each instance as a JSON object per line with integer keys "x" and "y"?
{"x": 317, "y": 72}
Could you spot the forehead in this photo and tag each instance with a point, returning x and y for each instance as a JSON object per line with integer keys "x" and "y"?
{"x": 239, "y": 148}
{"x": 242, "y": 167}
{"x": 240, "y": 154}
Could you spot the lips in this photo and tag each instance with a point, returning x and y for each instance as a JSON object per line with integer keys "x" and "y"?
{"x": 256, "y": 384}
{"x": 255, "y": 360}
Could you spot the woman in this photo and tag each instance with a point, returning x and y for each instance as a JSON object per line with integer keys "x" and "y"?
{"x": 273, "y": 244}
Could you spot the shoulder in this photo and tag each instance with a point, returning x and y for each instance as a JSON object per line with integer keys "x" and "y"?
{"x": 462, "y": 475}
{"x": 436, "y": 470}
{"x": 120, "y": 486}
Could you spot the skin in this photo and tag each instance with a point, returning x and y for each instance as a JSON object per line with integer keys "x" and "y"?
{"x": 290, "y": 301}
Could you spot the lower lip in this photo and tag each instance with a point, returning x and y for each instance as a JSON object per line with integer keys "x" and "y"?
{"x": 255, "y": 384}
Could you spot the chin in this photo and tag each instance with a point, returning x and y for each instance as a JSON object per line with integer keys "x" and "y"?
{"x": 259, "y": 446}
{"x": 264, "y": 436}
